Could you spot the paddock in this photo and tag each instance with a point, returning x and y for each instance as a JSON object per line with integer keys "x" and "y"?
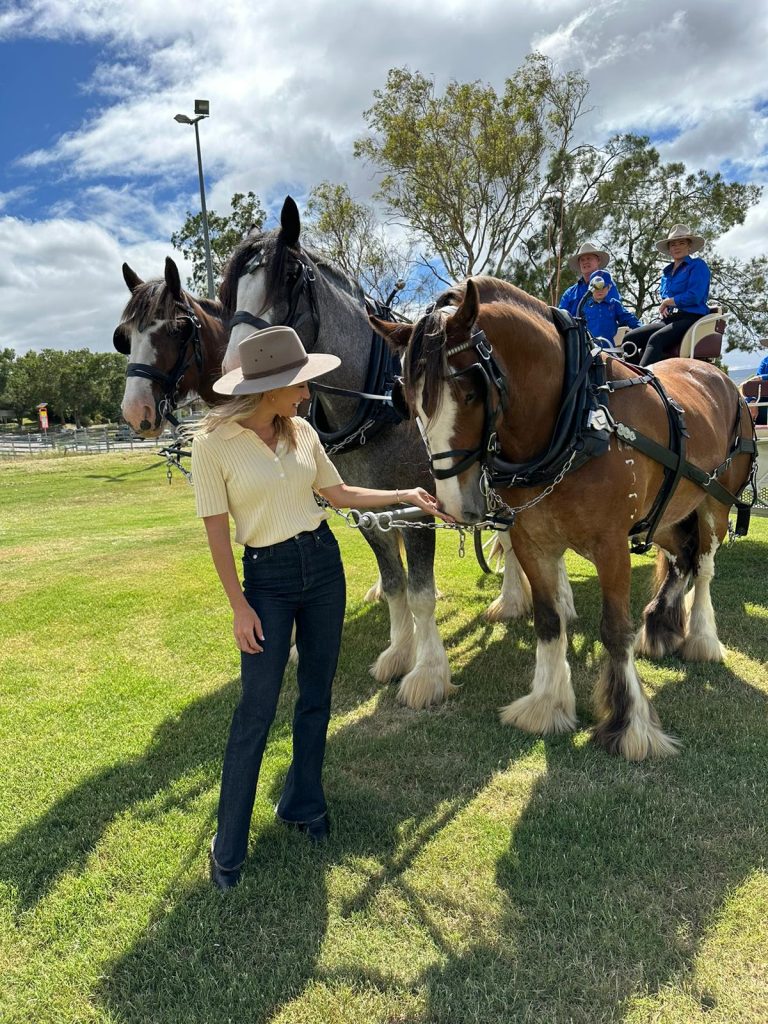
{"x": 475, "y": 873}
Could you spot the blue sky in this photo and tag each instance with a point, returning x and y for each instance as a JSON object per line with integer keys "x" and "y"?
{"x": 94, "y": 171}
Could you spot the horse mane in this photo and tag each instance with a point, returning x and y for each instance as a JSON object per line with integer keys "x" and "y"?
{"x": 153, "y": 300}
{"x": 426, "y": 354}
{"x": 278, "y": 253}
{"x": 493, "y": 289}
{"x": 425, "y": 357}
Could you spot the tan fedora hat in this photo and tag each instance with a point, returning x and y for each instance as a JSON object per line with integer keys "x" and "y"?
{"x": 273, "y": 358}
{"x": 588, "y": 249}
{"x": 680, "y": 231}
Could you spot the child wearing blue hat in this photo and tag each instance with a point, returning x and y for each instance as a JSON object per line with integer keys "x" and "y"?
{"x": 603, "y": 314}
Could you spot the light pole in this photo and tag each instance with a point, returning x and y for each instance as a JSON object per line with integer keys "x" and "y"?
{"x": 202, "y": 109}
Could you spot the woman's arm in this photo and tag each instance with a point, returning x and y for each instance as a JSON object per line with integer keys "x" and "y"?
{"x": 345, "y": 496}
{"x": 247, "y": 625}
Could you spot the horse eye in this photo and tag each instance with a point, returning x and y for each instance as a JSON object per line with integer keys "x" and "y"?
{"x": 469, "y": 398}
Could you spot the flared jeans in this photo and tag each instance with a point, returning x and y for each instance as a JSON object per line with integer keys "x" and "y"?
{"x": 300, "y": 580}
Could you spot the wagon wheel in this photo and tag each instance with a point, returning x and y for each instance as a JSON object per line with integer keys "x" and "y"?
{"x": 489, "y": 557}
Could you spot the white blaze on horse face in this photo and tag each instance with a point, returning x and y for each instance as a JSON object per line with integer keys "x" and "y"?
{"x": 251, "y": 293}
{"x": 138, "y": 406}
{"x": 440, "y": 430}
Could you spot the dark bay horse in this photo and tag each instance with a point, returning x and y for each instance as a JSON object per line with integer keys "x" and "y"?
{"x": 272, "y": 277}
{"x": 590, "y": 510}
{"x": 175, "y": 344}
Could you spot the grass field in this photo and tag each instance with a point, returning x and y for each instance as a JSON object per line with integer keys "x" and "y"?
{"x": 475, "y": 874}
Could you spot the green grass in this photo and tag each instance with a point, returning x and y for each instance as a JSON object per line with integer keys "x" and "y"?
{"x": 476, "y": 874}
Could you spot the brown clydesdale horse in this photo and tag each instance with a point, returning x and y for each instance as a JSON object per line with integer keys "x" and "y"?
{"x": 592, "y": 509}
{"x": 175, "y": 344}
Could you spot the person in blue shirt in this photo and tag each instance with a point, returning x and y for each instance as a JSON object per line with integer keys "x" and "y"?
{"x": 604, "y": 314}
{"x": 684, "y": 291}
{"x": 762, "y": 412}
{"x": 583, "y": 263}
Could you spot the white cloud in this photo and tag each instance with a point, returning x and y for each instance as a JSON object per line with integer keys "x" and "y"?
{"x": 61, "y": 284}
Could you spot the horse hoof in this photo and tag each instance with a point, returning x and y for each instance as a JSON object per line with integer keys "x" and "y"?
{"x": 375, "y": 593}
{"x": 657, "y": 643}
{"x": 392, "y": 663}
{"x": 425, "y": 686}
{"x": 637, "y": 742}
{"x": 703, "y": 647}
{"x": 501, "y": 610}
{"x": 540, "y": 714}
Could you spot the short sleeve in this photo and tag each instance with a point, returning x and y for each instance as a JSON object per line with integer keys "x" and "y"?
{"x": 208, "y": 480}
{"x": 326, "y": 475}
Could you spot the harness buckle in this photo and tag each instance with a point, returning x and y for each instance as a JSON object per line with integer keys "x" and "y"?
{"x": 484, "y": 348}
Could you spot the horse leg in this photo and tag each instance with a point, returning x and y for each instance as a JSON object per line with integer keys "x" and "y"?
{"x": 515, "y": 599}
{"x": 398, "y": 658}
{"x": 551, "y": 704}
{"x": 663, "y": 629}
{"x": 630, "y": 724}
{"x": 375, "y": 592}
{"x": 702, "y": 642}
{"x": 429, "y": 680}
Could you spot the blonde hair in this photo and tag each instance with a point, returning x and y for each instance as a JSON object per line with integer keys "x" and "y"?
{"x": 239, "y": 408}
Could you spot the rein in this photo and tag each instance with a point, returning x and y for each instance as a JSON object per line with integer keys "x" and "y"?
{"x": 190, "y": 349}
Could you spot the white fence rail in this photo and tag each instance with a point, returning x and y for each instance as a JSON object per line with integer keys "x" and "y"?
{"x": 87, "y": 441}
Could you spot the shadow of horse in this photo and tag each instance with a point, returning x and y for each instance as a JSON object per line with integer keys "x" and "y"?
{"x": 614, "y": 873}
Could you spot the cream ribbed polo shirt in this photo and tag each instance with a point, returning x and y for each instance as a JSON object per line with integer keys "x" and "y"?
{"x": 268, "y": 494}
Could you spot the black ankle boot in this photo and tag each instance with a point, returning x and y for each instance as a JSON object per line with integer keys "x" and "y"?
{"x": 221, "y": 877}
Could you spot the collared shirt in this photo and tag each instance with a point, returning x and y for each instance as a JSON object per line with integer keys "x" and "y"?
{"x": 688, "y": 285}
{"x": 604, "y": 318}
{"x": 269, "y": 494}
{"x": 572, "y": 296}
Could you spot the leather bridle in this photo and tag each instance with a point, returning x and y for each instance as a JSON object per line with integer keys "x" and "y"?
{"x": 493, "y": 382}
{"x": 190, "y": 350}
{"x": 301, "y": 279}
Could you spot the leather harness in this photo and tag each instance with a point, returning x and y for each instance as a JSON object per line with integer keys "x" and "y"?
{"x": 584, "y": 427}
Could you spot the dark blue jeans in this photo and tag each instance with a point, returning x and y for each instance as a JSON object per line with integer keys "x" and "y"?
{"x": 300, "y": 580}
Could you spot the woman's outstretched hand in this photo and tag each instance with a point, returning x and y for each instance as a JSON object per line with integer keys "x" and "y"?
{"x": 425, "y": 500}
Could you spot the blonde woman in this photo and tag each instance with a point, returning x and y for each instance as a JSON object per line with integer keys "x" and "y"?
{"x": 255, "y": 460}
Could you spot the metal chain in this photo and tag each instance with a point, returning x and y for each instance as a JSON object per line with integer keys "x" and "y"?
{"x": 360, "y": 432}
{"x": 495, "y": 503}
{"x": 388, "y": 520}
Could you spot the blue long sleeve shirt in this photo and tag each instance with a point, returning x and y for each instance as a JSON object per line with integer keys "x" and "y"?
{"x": 762, "y": 369}
{"x": 572, "y": 296}
{"x": 688, "y": 285}
{"x": 604, "y": 318}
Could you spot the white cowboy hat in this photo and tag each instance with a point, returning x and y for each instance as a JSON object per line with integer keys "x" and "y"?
{"x": 680, "y": 231}
{"x": 588, "y": 249}
{"x": 273, "y": 358}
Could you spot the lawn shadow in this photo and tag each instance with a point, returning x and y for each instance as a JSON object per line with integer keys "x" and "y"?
{"x": 394, "y": 779}
{"x": 64, "y": 837}
{"x": 616, "y": 871}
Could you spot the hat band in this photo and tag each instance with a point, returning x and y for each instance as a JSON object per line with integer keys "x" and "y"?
{"x": 276, "y": 369}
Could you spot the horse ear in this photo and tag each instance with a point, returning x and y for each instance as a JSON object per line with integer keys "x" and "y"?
{"x": 469, "y": 309}
{"x": 131, "y": 278}
{"x": 290, "y": 222}
{"x": 398, "y": 335}
{"x": 172, "y": 278}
